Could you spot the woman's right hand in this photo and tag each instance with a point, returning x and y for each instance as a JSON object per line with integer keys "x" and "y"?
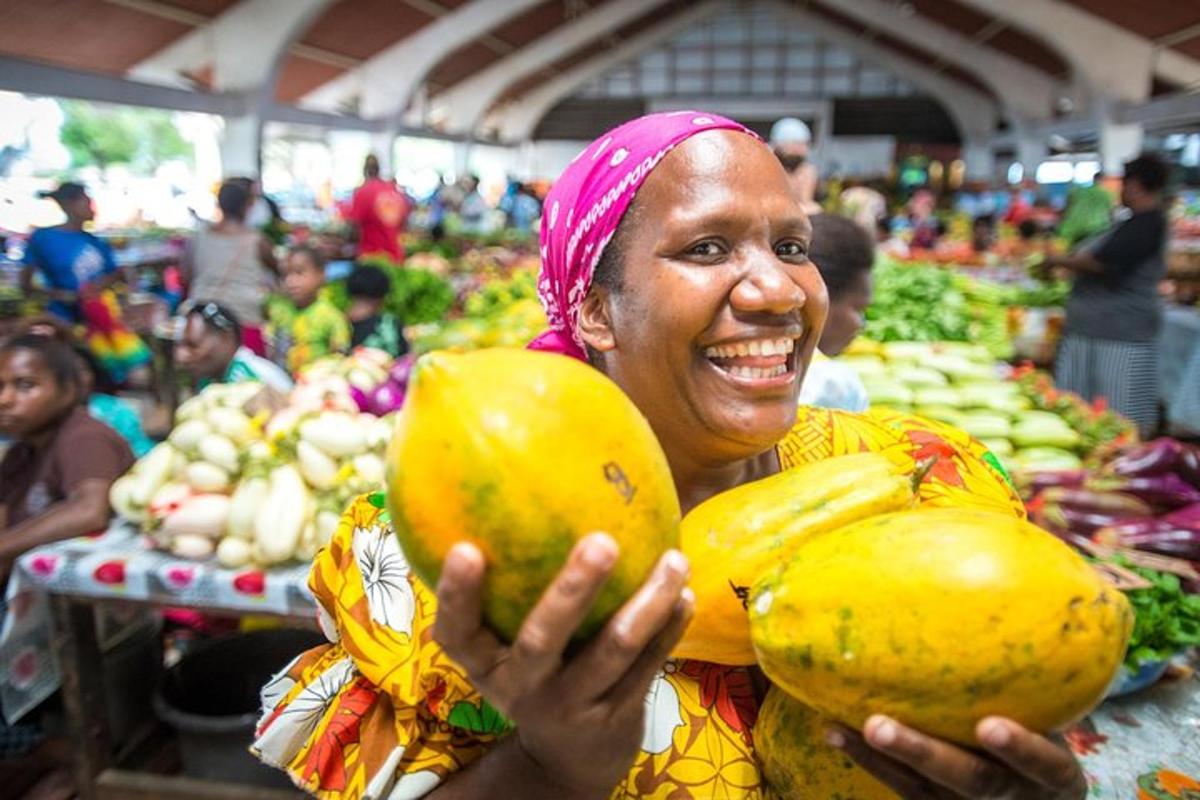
{"x": 579, "y": 721}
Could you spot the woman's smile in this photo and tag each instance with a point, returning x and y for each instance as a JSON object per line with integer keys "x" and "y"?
{"x": 759, "y": 361}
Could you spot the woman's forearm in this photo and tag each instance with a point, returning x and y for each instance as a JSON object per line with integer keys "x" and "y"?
{"x": 75, "y": 516}
{"x": 506, "y": 770}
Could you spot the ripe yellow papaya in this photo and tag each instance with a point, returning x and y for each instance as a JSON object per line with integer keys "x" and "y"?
{"x": 524, "y": 453}
{"x": 939, "y": 618}
{"x": 735, "y": 537}
{"x": 797, "y": 763}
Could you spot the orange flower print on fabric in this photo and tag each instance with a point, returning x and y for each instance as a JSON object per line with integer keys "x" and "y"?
{"x": 727, "y": 690}
{"x": 1167, "y": 785}
{"x": 326, "y": 758}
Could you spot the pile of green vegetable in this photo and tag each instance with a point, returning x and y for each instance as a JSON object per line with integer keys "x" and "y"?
{"x": 1167, "y": 619}
{"x": 416, "y": 296}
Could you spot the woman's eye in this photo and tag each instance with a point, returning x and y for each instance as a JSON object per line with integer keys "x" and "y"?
{"x": 791, "y": 250}
{"x": 705, "y": 249}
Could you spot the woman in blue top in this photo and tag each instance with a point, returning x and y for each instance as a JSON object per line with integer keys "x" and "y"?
{"x": 77, "y": 268}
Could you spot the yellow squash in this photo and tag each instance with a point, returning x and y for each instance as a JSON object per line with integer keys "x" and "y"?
{"x": 735, "y": 537}
{"x": 523, "y": 454}
{"x": 941, "y": 617}
{"x": 796, "y": 762}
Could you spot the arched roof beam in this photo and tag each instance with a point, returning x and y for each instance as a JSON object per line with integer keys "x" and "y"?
{"x": 387, "y": 81}
{"x": 518, "y": 119}
{"x": 1024, "y": 92}
{"x": 462, "y": 107}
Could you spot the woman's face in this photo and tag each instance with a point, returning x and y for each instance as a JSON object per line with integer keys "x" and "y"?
{"x": 719, "y": 307}
{"x": 30, "y": 397}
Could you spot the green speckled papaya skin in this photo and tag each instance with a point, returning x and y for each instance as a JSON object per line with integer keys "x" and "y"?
{"x": 523, "y": 454}
{"x": 939, "y": 618}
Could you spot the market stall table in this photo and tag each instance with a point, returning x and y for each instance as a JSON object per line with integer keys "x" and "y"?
{"x": 67, "y": 582}
{"x": 1128, "y": 743}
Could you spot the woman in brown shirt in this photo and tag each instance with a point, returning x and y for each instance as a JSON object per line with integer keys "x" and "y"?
{"x": 54, "y": 478}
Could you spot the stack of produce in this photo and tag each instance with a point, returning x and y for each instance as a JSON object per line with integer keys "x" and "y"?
{"x": 252, "y": 482}
{"x": 926, "y": 303}
{"x": 801, "y": 572}
{"x": 503, "y": 312}
{"x": 1147, "y": 498}
{"x": 417, "y": 295}
{"x": 1141, "y": 511}
{"x": 1025, "y": 422}
{"x": 366, "y": 380}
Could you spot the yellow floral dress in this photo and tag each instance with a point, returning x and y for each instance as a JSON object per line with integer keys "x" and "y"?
{"x": 381, "y": 712}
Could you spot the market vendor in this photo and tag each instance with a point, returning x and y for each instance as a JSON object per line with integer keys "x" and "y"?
{"x": 844, "y": 253}
{"x": 703, "y": 263}
{"x": 791, "y": 139}
{"x": 1109, "y": 347}
{"x": 210, "y": 350}
{"x": 54, "y": 479}
{"x": 78, "y": 268}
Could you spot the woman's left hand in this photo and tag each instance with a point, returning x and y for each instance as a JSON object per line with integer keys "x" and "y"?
{"x": 1016, "y": 764}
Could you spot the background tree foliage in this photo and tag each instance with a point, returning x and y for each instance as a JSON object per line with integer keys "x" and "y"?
{"x": 105, "y": 135}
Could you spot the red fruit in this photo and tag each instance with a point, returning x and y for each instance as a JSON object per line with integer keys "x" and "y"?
{"x": 110, "y": 572}
{"x": 253, "y": 582}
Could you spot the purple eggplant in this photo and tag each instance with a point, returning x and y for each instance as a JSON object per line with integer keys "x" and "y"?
{"x": 1167, "y": 540}
{"x": 386, "y": 398}
{"x": 1034, "y": 483}
{"x": 1188, "y": 467}
{"x": 1115, "y": 504}
{"x": 1084, "y": 523}
{"x": 1168, "y": 491}
{"x": 360, "y": 398}
{"x": 1150, "y": 458}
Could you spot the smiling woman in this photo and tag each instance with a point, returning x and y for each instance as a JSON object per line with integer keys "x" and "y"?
{"x": 674, "y": 254}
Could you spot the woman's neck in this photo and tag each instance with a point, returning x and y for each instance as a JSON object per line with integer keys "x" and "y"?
{"x": 695, "y": 481}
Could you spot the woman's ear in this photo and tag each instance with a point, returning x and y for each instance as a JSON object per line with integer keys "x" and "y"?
{"x": 595, "y": 320}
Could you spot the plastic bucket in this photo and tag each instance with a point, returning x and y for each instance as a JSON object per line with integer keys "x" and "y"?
{"x": 211, "y": 697}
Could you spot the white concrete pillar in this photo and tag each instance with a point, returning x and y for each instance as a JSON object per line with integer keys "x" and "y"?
{"x": 462, "y": 158}
{"x": 979, "y": 159}
{"x": 1119, "y": 142}
{"x": 383, "y": 146}
{"x": 1031, "y": 152}
{"x": 240, "y": 146}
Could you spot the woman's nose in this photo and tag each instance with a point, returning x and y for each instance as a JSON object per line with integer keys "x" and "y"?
{"x": 766, "y": 286}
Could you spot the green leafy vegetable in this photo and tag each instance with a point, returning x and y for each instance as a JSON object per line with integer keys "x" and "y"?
{"x": 1167, "y": 619}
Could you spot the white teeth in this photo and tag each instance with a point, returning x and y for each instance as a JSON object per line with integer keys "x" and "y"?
{"x": 757, "y": 347}
{"x": 757, "y": 373}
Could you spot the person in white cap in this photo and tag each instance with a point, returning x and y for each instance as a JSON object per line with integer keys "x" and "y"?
{"x": 790, "y": 139}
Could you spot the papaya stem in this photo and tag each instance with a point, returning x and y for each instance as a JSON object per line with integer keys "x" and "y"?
{"x": 922, "y": 470}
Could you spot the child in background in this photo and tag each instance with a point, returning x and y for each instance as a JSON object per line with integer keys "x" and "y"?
{"x": 306, "y": 326}
{"x": 371, "y": 325}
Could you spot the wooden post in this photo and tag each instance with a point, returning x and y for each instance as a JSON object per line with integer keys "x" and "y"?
{"x": 78, "y": 652}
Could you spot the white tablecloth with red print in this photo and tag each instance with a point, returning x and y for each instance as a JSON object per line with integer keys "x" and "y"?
{"x": 119, "y": 565}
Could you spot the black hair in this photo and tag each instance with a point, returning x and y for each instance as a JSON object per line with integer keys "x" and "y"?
{"x": 233, "y": 198}
{"x": 841, "y": 250}
{"x": 369, "y": 281}
{"x": 610, "y": 269}
{"x": 1027, "y": 229}
{"x": 102, "y": 382}
{"x": 217, "y": 317}
{"x": 58, "y": 356}
{"x": 315, "y": 256}
{"x": 1150, "y": 171}
{"x": 371, "y": 166}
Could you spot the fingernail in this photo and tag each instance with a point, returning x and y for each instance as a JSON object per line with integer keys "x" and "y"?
{"x": 458, "y": 562}
{"x": 835, "y": 738}
{"x": 675, "y": 562}
{"x": 687, "y": 600}
{"x": 995, "y": 734}
{"x": 885, "y": 733}
{"x": 599, "y": 552}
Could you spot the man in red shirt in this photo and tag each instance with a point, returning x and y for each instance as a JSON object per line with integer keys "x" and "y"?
{"x": 380, "y": 211}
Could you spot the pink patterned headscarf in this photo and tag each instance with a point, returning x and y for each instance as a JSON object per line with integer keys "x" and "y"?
{"x": 587, "y": 203}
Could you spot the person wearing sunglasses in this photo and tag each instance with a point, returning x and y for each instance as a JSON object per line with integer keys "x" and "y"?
{"x": 209, "y": 350}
